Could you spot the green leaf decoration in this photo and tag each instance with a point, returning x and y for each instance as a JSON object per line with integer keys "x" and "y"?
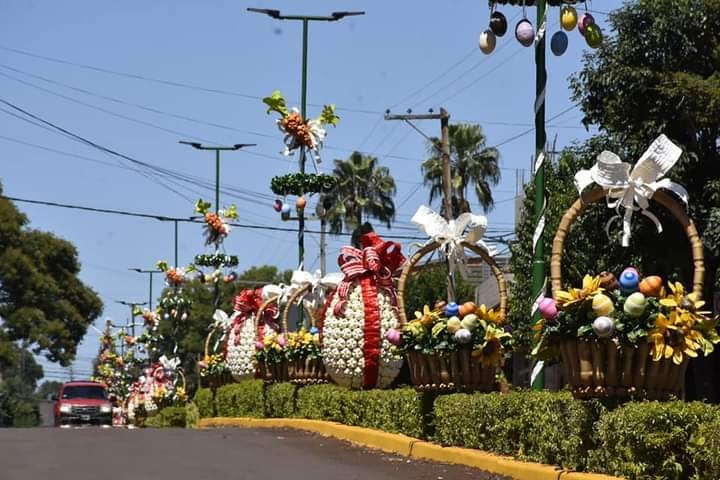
{"x": 137, "y": 311}
{"x": 328, "y": 116}
{"x": 202, "y": 207}
{"x": 302, "y": 183}
{"x": 231, "y": 212}
{"x": 162, "y": 265}
{"x": 276, "y": 103}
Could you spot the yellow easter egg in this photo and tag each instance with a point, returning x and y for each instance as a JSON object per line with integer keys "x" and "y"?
{"x": 602, "y": 305}
{"x": 568, "y": 17}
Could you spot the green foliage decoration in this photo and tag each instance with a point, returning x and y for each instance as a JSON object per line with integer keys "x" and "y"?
{"x": 302, "y": 183}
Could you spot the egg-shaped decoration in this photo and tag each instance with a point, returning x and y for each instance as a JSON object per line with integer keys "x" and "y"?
{"x": 452, "y": 309}
{"x": 559, "y": 43}
{"x": 629, "y": 280}
{"x": 583, "y": 22}
{"x": 470, "y": 322}
{"x": 603, "y": 326}
{"x": 602, "y": 305}
{"x": 300, "y": 203}
{"x": 498, "y": 24}
{"x": 608, "y": 281}
{"x": 277, "y": 205}
{"x": 463, "y": 336}
{"x": 233, "y": 276}
{"x": 440, "y": 305}
{"x": 285, "y": 208}
{"x": 259, "y": 345}
{"x": 635, "y": 305}
{"x": 548, "y": 308}
{"x": 226, "y": 279}
{"x": 453, "y": 325}
{"x": 209, "y": 278}
{"x": 568, "y": 17}
{"x": 487, "y": 42}
{"x": 524, "y": 32}
{"x": 467, "y": 308}
{"x": 651, "y": 286}
{"x": 593, "y": 36}
{"x": 393, "y": 336}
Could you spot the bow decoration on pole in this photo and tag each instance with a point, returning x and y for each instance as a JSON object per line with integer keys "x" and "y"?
{"x": 320, "y": 285}
{"x": 632, "y": 190}
{"x": 450, "y": 235}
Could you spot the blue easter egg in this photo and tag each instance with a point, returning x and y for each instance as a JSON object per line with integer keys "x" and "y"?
{"x": 559, "y": 43}
{"x": 452, "y": 309}
{"x": 285, "y": 208}
{"x": 629, "y": 280}
{"x": 314, "y": 330}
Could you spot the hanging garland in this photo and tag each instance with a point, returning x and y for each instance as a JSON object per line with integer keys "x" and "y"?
{"x": 302, "y": 183}
{"x": 216, "y": 260}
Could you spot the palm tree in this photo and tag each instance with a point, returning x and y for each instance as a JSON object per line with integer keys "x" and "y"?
{"x": 472, "y": 164}
{"x": 364, "y": 189}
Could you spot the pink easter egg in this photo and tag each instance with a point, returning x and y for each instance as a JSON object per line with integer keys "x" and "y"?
{"x": 585, "y": 20}
{"x": 548, "y": 308}
{"x": 525, "y": 33}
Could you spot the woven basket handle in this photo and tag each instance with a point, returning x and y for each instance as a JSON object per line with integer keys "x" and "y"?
{"x": 296, "y": 297}
{"x": 208, "y": 339}
{"x": 597, "y": 194}
{"x": 259, "y": 315}
{"x": 430, "y": 247}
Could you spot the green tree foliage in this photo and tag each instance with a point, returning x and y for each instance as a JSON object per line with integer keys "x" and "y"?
{"x": 17, "y": 400}
{"x": 42, "y": 300}
{"x": 429, "y": 285}
{"x": 364, "y": 189}
{"x": 472, "y": 165}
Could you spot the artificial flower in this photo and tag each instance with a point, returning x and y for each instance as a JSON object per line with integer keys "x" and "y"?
{"x": 672, "y": 337}
{"x": 489, "y": 315}
{"x": 572, "y": 296}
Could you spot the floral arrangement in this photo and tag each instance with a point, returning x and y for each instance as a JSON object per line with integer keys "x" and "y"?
{"x": 450, "y": 327}
{"x": 161, "y": 385}
{"x": 115, "y": 371}
{"x": 628, "y": 310}
{"x": 299, "y": 131}
{"x": 212, "y": 366}
{"x": 301, "y": 183}
{"x": 271, "y": 349}
{"x": 216, "y": 225}
{"x": 303, "y": 344}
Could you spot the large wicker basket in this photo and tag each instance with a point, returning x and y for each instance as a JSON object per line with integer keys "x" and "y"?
{"x": 304, "y": 371}
{"x": 602, "y": 368}
{"x": 214, "y": 381}
{"x": 269, "y": 372}
{"x": 452, "y": 370}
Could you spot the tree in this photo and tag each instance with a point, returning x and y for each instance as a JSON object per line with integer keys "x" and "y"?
{"x": 18, "y": 406}
{"x": 43, "y": 303}
{"x": 472, "y": 164}
{"x": 429, "y": 286}
{"x": 47, "y": 389}
{"x": 364, "y": 189}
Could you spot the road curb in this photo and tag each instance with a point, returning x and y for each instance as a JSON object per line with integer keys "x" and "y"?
{"x": 411, "y": 447}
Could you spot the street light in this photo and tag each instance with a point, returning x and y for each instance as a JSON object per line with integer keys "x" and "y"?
{"x": 132, "y": 325}
{"x": 140, "y": 270}
{"x": 305, "y": 19}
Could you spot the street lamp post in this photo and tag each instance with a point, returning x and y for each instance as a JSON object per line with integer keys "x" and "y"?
{"x": 305, "y": 19}
{"x": 132, "y": 323}
{"x": 150, "y": 294}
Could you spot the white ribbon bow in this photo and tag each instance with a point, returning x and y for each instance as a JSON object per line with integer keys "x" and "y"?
{"x": 450, "y": 235}
{"x": 282, "y": 291}
{"x": 632, "y": 190}
{"x": 222, "y": 321}
{"x": 315, "y": 298}
{"x": 169, "y": 364}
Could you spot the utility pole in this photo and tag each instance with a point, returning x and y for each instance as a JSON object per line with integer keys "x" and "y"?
{"x": 131, "y": 324}
{"x": 139, "y": 270}
{"x": 444, "y": 149}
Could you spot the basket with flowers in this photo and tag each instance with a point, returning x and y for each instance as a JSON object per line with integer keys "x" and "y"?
{"x": 213, "y": 369}
{"x": 626, "y": 336}
{"x": 303, "y": 352}
{"x": 162, "y": 385}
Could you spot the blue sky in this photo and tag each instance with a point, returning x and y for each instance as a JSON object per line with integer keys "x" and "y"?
{"x": 400, "y": 55}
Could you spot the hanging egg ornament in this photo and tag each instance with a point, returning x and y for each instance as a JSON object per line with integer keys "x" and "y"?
{"x": 602, "y": 305}
{"x": 285, "y": 208}
{"x": 524, "y": 32}
{"x": 467, "y": 308}
{"x": 629, "y": 280}
{"x": 393, "y": 336}
{"x": 568, "y": 17}
{"x": 487, "y": 42}
{"x": 603, "y": 327}
{"x": 635, "y": 305}
{"x": 559, "y": 43}
{"x": 277, "y": 205}
{"x": 608, "y": 281}
{"x": 300, "y": 203}
{"x": 583, "y": 22}
{"x": 440, "y": 305}
{"x": 651, "y": 286}
{"x": 593, "y": 36}
{"x": 498, "y": 24}
{"x": 463, "y": 336}
{"x": 548, "y": 308}
{"x": 452, "y": 309}
{"x": 453, "y": 325}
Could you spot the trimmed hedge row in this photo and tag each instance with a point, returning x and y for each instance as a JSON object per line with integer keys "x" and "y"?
{"x": 175, "y": 417}
{"x": 636, "y": 440}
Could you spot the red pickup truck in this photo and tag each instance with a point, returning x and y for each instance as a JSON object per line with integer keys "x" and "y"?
{"x": 82, "y": 403}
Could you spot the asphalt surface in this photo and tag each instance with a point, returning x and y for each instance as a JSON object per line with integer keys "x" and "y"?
{"x": 226, "y": 454}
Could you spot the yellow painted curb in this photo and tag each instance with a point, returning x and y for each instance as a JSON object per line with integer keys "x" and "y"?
{"x": 411, "y": 447}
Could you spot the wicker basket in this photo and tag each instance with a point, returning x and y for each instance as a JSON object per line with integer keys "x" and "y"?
{"x": 601, "y": 368}
{"x": 214, "y": 381}
{"x": 269, "y": 372}
{"x": 452, "y": 370}
{"x": 304, "y": 371}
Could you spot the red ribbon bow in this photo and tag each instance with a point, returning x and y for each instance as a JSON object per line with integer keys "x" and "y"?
{"x": 247, "y": 303}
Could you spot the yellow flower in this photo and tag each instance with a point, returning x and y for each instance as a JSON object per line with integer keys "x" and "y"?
{"x": 427, "y": 316}
{"x": 590, "y": 288}
{"x": 491, "y": 351}
{"x": 489, "y": 314}
{"x": 673, "y": 337}
{"x": 688, "y": 305}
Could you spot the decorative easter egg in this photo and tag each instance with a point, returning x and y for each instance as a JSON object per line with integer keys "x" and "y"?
{"x": 467, "y": 308}
{"x": 568, "y": 17}
{"x": 452, "y": 309}
{"x": 463, "y": 336}
{"x": 393, "y": 336}
{"x": 602, "y": 305}
{"x": 651, "y": 286}
{"x": 547, "y": 308}
{"x": 453, "y": 324}
{"x": 300, "y": 203}
{"x": 498, "y": 24}
{"x": 608, "y": 282}
{"x": 314, "y": 330}
{"x": 277, "y": 205}
{"x": 241, "y": 343}
{"x": 629, "y": 280}
{"x": 559, "y": 43}
{"x": 281, "y": 340}
{"x": 285, "y": 208}
{"x": 603, "y": 326}
{"x": 525, "y": 33}
{"x": 440, "y": 305}
{"x": 635, "y": 304}
{"x": 259, "y": 345}
{"x": 470, "y": 322}
{"x": 593, "y": 35}
{"x": 487, "y": 42}
{"x": 585, "y": 20}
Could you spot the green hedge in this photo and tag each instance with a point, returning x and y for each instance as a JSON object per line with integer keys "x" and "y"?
{"x": 168, "y": 417}
{"x": 280, "y": 400}
{"x": 544, "y": 427}
{"x": 244, "y": 399}
{"x": 205, "y": 402}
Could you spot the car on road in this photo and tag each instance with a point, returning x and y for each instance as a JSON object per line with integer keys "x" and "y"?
{"x": 79, "y": 403}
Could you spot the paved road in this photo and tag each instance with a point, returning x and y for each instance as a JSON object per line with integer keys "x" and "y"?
{"x": 224, "y": 454}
